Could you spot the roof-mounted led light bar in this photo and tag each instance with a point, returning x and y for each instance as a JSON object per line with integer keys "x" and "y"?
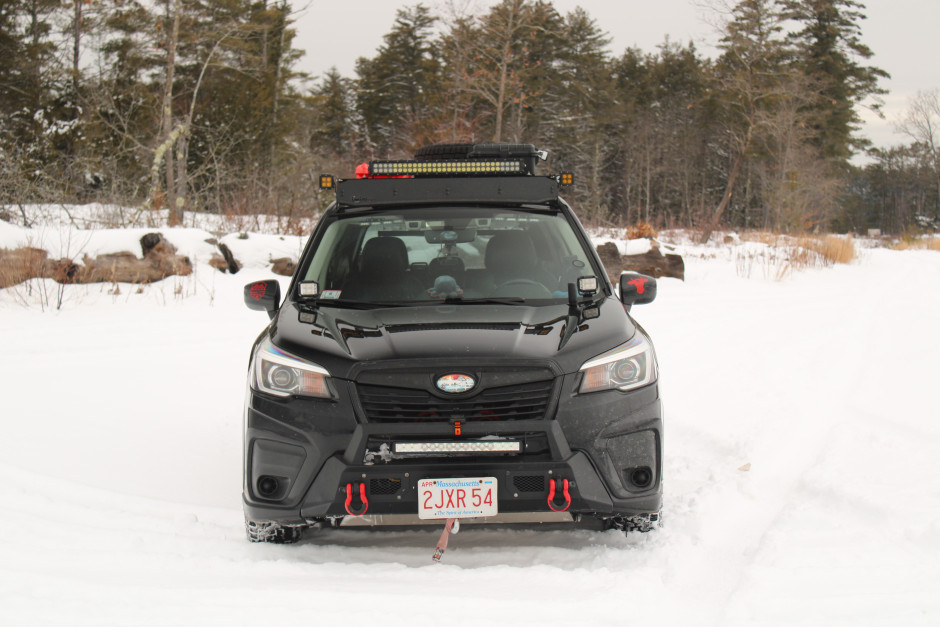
{"x": 471, "y": 167}
{"x": 451, "y": 448}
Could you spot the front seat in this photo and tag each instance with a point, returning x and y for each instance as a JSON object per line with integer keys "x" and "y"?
{"x": 382, "y": 273}
{"x": 513, "y": 264}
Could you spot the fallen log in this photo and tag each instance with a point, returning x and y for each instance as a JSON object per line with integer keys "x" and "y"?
{"x": 283, "y": 266}
{"x": 125, "y": 267}
{"x": 159, "y": 261}
{"x": 652, "y": 263}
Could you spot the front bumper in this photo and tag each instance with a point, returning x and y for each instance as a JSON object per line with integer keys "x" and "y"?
{"x": 317, "y": 452}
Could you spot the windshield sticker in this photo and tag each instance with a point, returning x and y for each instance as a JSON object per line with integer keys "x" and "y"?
{"x": 330, "y": 294}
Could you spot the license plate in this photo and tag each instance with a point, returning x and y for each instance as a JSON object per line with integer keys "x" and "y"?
{"x": 465, "y": 497}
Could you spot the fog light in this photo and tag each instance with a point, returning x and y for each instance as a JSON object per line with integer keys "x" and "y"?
{"x": 267, "y": 486}
{"x": 641, "y": 477}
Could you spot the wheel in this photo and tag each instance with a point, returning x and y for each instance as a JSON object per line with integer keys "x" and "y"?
{"x": 642, "y": 523}
{"x": 273, "y": 532}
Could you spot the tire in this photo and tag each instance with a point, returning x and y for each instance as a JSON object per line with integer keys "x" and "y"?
{"x": 642, "y": 523}
{"x": 273, "y": 532}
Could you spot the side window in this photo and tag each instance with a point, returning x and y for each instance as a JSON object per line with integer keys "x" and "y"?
{"x": 333, "y": 259}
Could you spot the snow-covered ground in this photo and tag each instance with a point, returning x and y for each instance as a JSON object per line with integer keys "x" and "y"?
{"x": 120, "y": 475}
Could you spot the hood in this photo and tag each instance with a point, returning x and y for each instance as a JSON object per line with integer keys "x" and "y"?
{"x": 338, "y": 338}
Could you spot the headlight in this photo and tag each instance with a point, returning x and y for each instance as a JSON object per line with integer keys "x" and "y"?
{"x": 279, "y": 373}
{"x": 626, "y": 367}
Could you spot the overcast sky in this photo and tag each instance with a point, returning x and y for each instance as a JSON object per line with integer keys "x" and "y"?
{"x": 904, "y": 35}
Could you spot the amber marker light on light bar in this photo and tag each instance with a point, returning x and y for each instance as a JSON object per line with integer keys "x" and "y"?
{"x": 327, "y": 181}
{"x": 425, "y": 448}
{"x": 566, "y": 179}
{"x": 431, "y": 168}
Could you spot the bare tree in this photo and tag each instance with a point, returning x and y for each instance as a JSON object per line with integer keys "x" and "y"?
{"x": 164, "y": 150}
{"x": 174, "y": 136}
{"x": 921, "y": 123}
{"x": 499, "y": 77}
{"x": 751, "y": 71}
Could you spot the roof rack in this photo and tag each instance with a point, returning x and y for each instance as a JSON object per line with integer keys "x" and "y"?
{"x": 539, "y": 190}
{"x": 488, "y": 173}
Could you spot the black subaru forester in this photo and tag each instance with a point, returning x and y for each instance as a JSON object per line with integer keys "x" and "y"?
{"x": 449, "y": 348}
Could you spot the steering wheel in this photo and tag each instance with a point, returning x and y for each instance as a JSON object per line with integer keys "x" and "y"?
{"x": 544, "y": 292}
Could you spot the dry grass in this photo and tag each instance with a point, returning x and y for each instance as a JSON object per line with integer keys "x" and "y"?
{"x": 932, "y": 243}
{"x": 782, "y": 255}
{"x": 772, "y": 262}
{"x": 833, "y": 248}
{"x": 763, "y": 237}
{"x": 640, "y": 231}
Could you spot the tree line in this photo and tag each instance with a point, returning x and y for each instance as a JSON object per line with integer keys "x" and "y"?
{"x": 196, "y": 105}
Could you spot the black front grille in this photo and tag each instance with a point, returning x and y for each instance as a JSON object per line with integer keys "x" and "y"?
{"x": 384, "y": 486}
{"x": 526, "y": 401}
{"x": 529, "y": 483}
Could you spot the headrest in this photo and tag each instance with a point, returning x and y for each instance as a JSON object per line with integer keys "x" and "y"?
{"x": 510, "y": 249}
{"x": 388, "y": 253}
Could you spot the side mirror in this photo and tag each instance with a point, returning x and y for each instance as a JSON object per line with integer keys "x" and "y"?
{"x": 263, "y": 296}
{"x": 636, "y": 289}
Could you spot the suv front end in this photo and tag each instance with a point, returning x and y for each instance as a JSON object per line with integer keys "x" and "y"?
{"x": 450, "y": 347}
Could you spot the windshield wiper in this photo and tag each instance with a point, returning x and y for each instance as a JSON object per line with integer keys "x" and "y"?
{"x": 360, "y": 304}
{"x": 508, "y": 300}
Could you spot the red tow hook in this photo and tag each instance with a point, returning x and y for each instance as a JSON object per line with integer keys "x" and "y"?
{"x": 551, "y": 495}
{"x": 362, "y": 497}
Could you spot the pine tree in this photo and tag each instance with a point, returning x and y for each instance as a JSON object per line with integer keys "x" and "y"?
{"x": 832, "y": 54}
{"x": 30, "y": 77}
{"x": 332, "y": 132}
{"x": 576, "y": 121}
{"x": 12, "y": 47}
{"x": 399, "y": 88}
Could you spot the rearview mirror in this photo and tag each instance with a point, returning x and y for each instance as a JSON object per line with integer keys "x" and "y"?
{"x": 450, "y": 236}
{"x": 636, "y": 289}
{"x": 263, "y": 296}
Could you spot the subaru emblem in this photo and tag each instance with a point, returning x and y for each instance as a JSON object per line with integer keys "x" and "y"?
{"x": 455, "y": 383}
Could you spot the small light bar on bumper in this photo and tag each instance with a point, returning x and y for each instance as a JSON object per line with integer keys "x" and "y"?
{"x": 279, "y": 373}
{"x": 451, "y": 448}
{"x": 629, "y": 366}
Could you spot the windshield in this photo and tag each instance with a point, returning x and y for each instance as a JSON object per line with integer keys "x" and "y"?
{"x": 447, "y": 254}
